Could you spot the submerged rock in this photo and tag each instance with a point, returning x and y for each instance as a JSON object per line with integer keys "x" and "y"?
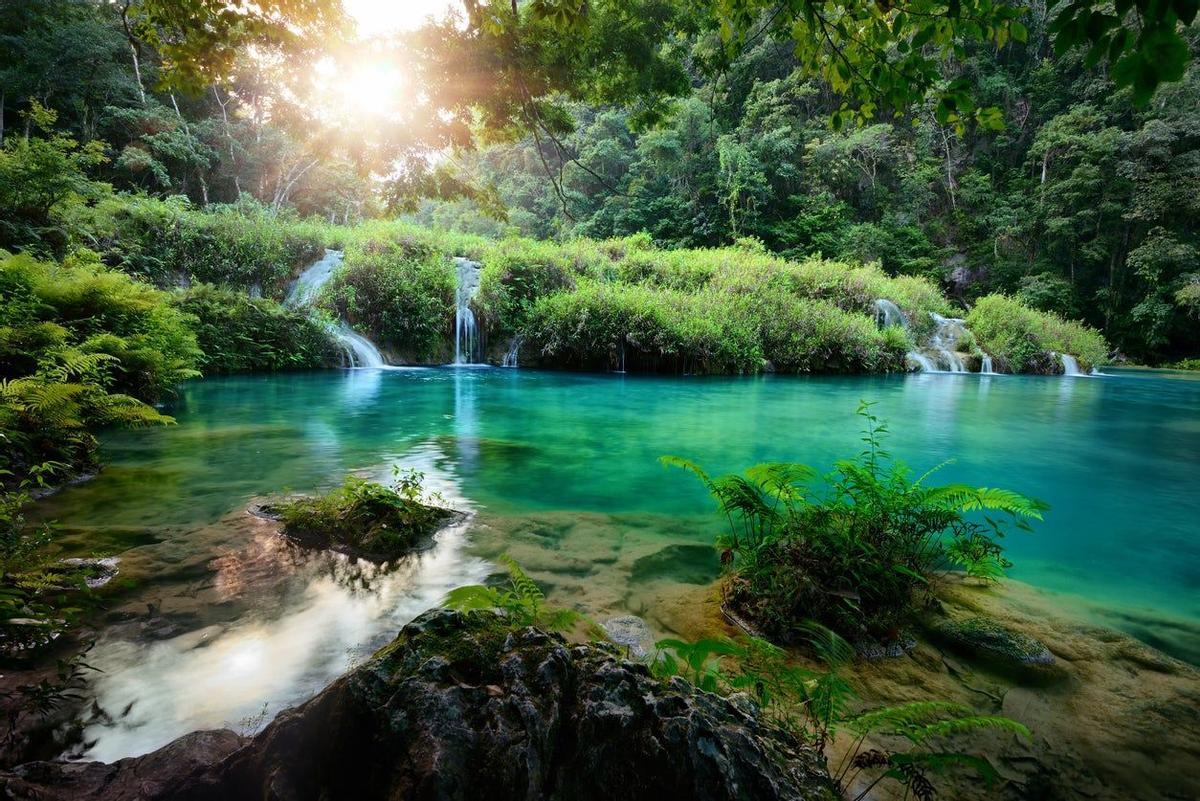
{"x": 95, "y": 572}
{"x": 458, "y": 707}
{"x": 1005, "y": 650}
{"x": 630, "y": 631}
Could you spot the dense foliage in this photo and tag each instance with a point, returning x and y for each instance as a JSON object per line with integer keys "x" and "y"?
{"x": 1023, "y": 338}
{"x": 399, "y": 289}
{"x": 1082, "y": 204}
{"x": 239, "y": 334}
{"x": 365, "y": 518}
{"x": 857, "y": 553}
{"x": 170, "y": 242}
{"x": 81, "y": 346}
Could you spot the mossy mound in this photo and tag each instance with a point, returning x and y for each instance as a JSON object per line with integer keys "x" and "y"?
{"x": 363, "y": 519}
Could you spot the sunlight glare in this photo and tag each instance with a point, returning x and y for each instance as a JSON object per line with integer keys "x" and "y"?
{"x": 385, "y": 16}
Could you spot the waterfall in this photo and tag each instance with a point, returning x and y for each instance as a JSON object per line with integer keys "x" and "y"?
{"x": 304, "y": 291}
{"x": 985, "y": 365}
{"x": 1070, "y": 364}
{"x": 466, "y": 334}
{"x": 514, "y": 350}
{"x": 947, "y": 333}
{"x": 889, "y": 314}
{"x": 359, "y": 351}
{"x": 923, "y": 362}
{"x": 941, "y": 351}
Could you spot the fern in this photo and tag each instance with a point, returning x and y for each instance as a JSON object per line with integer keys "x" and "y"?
{"x": 522, "y": 602}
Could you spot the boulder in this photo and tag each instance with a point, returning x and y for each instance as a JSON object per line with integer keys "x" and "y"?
{"x": 630, "y": 632}
{"x": 461, "y": 707}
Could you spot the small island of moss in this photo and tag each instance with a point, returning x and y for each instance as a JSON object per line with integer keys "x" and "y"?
{"x": 365, "y": 519}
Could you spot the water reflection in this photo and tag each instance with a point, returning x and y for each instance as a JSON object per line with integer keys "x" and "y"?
{"x": 295, "y": 621}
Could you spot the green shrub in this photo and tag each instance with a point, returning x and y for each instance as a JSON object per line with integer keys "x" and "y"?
{"x": 170, "y": 242}
{"x": 239, "y": 334}
{"x": 364, "y": 518}
{"x": 855, "y": 554}
{"x": 81, "y": 347}
{"x": 1024, "y": 338}
{"x": 397, "y": 291}
{"x": 601, "y": 325}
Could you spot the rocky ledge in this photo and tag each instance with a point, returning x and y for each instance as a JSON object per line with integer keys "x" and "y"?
{"x": 460, "y": 707}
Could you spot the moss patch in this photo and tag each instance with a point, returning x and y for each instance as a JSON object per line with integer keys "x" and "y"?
{"x": 362, "y": 518}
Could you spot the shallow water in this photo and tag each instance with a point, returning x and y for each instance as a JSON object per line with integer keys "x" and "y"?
{"x": 221, "y": 622}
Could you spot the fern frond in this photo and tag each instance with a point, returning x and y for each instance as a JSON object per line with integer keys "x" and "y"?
{"x": 525, "y": 587}
{"x": 781, "y": 479}
{"x": 957, "y": 725}
{"x": 942, "y": 761}
{"x": 967, "y": 498}
{"x": 905, "y": 715}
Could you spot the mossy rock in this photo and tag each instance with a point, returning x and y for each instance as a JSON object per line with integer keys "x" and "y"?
{"x": 1013, "y": 653}
{"x": 360, "y": 519}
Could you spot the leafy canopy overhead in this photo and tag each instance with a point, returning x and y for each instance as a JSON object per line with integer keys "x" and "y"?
{"x": 507, "y": 68}
{"x": 888, "y": 54}
{"x": 199, "y": 41}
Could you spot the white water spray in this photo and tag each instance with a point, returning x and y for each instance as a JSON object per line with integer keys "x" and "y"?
{"x": 985, "y": 365}
{"x": 889, "y": 314}
{"x": 1070, "y": 364}
{"x": 467, "y": 346}
{"x": 512, "y": 356}
{"x": 357, "y": 349}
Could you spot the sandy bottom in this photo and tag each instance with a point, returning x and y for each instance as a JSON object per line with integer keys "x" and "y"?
{"x": 1123, "y": 724}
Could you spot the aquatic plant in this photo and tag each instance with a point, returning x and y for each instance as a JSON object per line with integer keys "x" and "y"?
{"x": 855, "y": 552}
{"x": 522, "y": 602}
{"x": 366, "y": 518}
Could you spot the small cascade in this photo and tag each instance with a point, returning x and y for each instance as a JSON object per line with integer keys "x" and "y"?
{"x": 941, "y": 352}
{"x": 467, "y": 345}
{"x": 1070, "y": 364}
{"x": 359, "y": 351}
{"x": 985, "y": 365}
{"x": 512, "y": 355}
{"x": 923, "y": 363}
{"x": 304, "y": 291}
{"x": 889, "y": 314}
{"x": 947, "y": 333}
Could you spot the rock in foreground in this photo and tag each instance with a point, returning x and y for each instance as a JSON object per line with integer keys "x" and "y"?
{"x": 460, "y": 708}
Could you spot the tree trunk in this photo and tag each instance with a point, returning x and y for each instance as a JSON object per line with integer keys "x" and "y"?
{"x": 133, "y": 48}
{"x": 237, "y": 183}
{"x": 137, "y": 72}
{"x": 199, "y": 172}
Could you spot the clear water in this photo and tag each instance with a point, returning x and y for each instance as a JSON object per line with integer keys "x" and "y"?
{"x": 221, "y": 621}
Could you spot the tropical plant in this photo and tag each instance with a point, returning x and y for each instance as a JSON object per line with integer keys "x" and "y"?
{"x": 921, "y": 729}
{"x": 814, "y": 704}
{"x": 521, "y": 602}
{"x": 856, "y": 553}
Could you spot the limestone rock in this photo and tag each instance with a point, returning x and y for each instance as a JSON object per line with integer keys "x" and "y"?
{"x": 458, "y": 707}
{"x": 984, "y": 640}
{"x": 631, "y": 632}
